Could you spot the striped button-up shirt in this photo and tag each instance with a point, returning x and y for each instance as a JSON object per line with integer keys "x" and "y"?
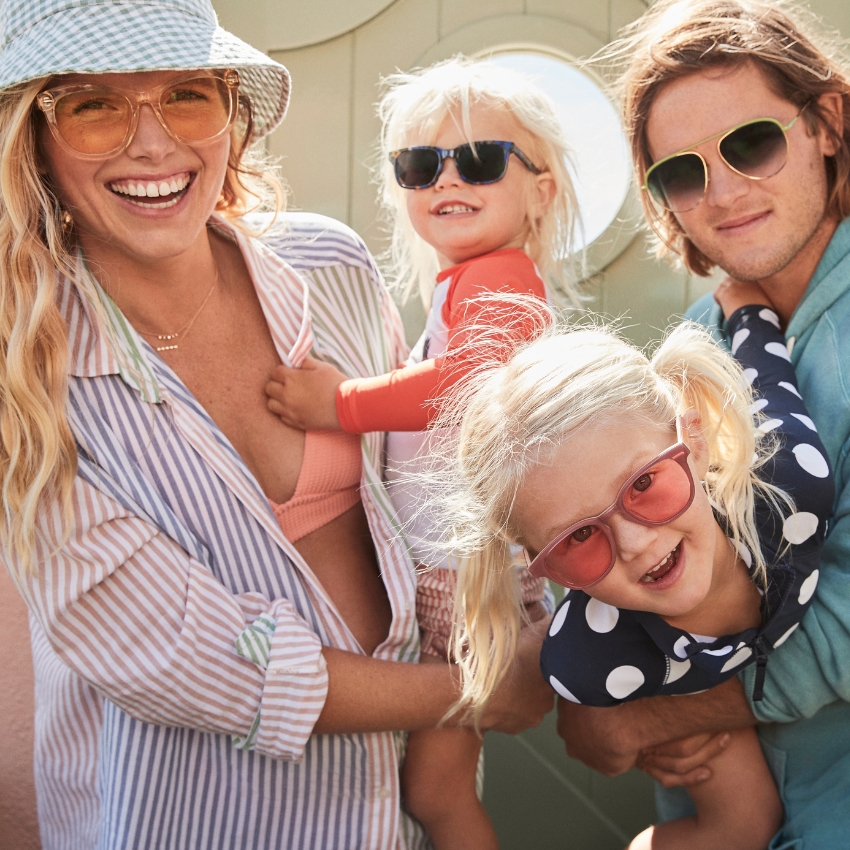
{"x": 145, "y": 722}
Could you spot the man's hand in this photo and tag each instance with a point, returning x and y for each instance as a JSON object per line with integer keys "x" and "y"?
{"x": 733, "y": 294}
{"x": 305, "y": 398}
{"x": 612, "y": 740}
{"x": 683, "y": 762}
{"x": 524, "y": 697}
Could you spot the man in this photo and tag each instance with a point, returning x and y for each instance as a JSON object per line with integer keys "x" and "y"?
{"x": 740, "y": 130}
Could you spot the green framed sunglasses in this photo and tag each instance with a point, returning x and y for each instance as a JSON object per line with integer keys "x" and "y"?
{"x": 756, "y": 149}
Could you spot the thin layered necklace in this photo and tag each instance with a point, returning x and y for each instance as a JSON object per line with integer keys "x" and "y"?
{"x": 182, "y": 333}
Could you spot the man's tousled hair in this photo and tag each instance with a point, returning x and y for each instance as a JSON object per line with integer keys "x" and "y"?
{"x": 788, "y": 44}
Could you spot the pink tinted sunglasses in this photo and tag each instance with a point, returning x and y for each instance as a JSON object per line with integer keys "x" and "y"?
{"x": 583, "y": 554}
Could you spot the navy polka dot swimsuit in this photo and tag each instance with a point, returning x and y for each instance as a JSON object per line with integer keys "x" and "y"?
{"x": 596, "y": 654}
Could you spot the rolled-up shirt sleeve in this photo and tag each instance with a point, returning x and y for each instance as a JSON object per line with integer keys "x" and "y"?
{"x": 151, "y": 628}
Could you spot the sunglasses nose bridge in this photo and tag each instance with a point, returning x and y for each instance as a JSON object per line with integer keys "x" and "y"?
{"x": 448, "y": 171}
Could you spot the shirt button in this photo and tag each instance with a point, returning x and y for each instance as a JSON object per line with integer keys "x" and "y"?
{"x": 384, "y": 792}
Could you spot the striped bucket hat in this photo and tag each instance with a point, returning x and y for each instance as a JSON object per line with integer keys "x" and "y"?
{"x": 39, "y": 38}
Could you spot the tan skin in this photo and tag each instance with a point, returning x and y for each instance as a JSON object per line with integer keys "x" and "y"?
{"x": 157, "y": 264}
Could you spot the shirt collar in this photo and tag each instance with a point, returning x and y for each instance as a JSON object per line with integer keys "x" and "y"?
{"x": 102, "y": 341}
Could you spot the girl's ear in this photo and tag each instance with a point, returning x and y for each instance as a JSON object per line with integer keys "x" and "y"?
{"x": 690, "y": 425}
{"x": 544, "y": 194}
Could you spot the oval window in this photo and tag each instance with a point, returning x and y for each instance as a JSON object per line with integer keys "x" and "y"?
{"x": 602, "y": 173}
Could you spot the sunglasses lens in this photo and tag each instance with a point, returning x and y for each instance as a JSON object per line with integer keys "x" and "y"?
{"x": 487, "y": 164}
{"x": 756, "y": 150}
{"x": 416, "y": 168}
{"x": 678, "y": 184}
{"x": 93, "y": 121}
{"x": 197, "y": 110}
{"x": 581, "y": 558}
{"x": 660, "y": 493}
{"x": 96, "y": 121}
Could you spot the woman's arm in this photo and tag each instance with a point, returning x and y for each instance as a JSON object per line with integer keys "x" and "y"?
{"x": 152, "y": 629}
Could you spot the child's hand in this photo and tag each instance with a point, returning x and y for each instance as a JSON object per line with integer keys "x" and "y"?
{"x": 305, "y": 398}
{"x": 733, "y": 294}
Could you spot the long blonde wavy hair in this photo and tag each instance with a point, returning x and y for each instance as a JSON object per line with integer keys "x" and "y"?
{"x": 798, "y": 56}
{"x": 38, "y": 457}
{"x": 412, "y": 110}
{"x": 513, "y": 417}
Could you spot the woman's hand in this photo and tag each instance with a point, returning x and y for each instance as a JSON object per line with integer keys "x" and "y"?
{"x": 524, "y": 697}
{"x": 733, "y": 294}
{"x": 305, "y": 398}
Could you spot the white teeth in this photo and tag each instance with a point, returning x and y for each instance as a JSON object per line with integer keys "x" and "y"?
{"x": 152, "y": 190}
{"x": 455, "y": 208}
{"x": 647, "y": 577}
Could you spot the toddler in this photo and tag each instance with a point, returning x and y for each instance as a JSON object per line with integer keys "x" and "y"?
{"x": 475, "y": 180}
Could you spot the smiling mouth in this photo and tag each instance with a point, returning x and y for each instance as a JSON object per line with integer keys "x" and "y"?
{"x": 153, "y": 193}
{"x": 451, "y": 209}
{"x": 660, "y": 570}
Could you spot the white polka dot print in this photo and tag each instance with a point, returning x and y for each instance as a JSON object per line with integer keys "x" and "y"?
{"x": 558, "y": 620}
{"x": 681, "y": 646}
{"x": 785, "y": 636}
{"x": 739, "y": 337}
{"x": 677, "y": 670}
{"x": 807, "y": 588}
{"x": 562, "y": 691}
{"x": 750, "y": 375}
{"x": 790, "y": 387}
{"x": 601, "y": 617}
{"x": 778, "y": 349}
{"x": 738, "y": 658}
{"x": 805, "y": 420}
{"x": 624, "y": 681}
{"x": 799, "y": 527}
{"x": 724, "y": 650}
{"x": 811, "y": 460}
{"x": 756, "y": 406}
{"x": 769, "y": 316}
{"x": 769, "y": 425}
{"x": 743, "y": 553}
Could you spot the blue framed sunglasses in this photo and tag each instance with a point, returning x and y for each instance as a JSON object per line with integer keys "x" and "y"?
{"x": 486, "y": 162}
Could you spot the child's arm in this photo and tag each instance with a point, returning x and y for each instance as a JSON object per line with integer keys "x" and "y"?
{"x": 799, "y": 466}
{"x": 480, "y": 325}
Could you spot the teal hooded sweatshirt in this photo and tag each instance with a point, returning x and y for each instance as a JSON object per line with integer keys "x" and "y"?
{"x": 806, "y": 706}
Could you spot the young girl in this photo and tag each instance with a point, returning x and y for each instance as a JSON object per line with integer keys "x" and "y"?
{"x": 474, "y": 177}
{"x": 688, "y": 534}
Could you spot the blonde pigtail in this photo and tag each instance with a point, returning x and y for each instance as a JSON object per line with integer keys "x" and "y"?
{"x": 713, "y": 384}
{"x": 488, "y": 618}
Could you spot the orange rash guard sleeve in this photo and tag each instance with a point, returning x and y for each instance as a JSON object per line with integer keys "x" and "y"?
{"x": 479, "y": 324}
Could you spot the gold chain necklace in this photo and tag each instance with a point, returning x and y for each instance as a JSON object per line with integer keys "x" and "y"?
{"x": 184, "y": 331}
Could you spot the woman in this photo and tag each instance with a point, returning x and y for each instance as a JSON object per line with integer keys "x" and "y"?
{"x": 146, "y": 485}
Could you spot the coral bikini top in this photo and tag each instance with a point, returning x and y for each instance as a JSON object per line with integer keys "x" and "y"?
{"x": 328, "y": 483}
